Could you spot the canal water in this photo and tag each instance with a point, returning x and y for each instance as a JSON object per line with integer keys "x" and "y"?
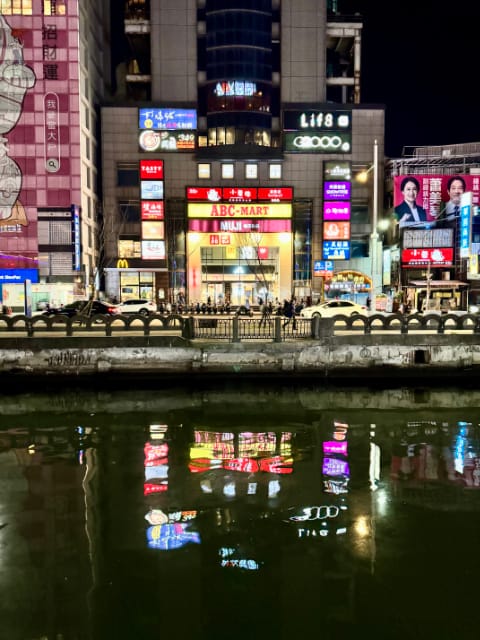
{"x": 241, "y": 511}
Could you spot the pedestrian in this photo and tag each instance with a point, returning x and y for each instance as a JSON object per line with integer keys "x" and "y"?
{"x": 369, "y": 303}
{"x": 265, "y": 310}
{"x": 288, "y": 311}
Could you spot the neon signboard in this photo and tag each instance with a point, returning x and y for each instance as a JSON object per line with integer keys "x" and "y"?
{"x": 336, "y": 249}
{"x": 336, "y": 210}
{"x": 336, "y": 230}
{"x": 337, "y": 190}
{"x": 318, "y": 142}
{"x": 151, "y": 169}
{"x": 317, "y": 119}
{"x": 152, "y": 210}
{"x": 167, "y": 119}
{"x": 439, "y": 257}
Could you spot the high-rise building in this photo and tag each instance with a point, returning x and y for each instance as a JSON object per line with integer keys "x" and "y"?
{"x": 55, "y": 70}
{"x": 230, "y": 153}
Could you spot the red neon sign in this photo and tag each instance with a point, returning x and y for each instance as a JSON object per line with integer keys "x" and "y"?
{"x": 151, "y": 169}
{"x": 275, "y": 194}
{"x": 440, "y": 257}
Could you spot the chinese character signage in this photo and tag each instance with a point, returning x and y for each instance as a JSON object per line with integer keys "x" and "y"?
{"x": 167, "y": 119}
{"x": 426, "y": 201}
{"x": 336, "y": 190}
{"x": 424, "y": 257}
{"x": 336, "y": 249}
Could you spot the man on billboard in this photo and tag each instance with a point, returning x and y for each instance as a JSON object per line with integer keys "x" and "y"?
{"x": 455, "y": 187}
{"x": 409, "y": 213}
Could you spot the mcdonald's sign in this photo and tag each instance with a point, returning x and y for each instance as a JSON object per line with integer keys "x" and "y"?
{"x": 122, "y": 263}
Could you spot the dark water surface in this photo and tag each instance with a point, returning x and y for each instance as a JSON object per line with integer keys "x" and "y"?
{"x": 244, "y": 512}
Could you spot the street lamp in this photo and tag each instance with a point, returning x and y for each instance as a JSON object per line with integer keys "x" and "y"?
{"x": 362, "y": 177}
{"x": 374, "y": 234}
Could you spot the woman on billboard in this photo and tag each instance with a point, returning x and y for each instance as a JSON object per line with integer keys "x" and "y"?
{"x": 409, "y": 213}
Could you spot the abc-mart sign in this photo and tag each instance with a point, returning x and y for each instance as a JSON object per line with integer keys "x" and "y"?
{"x": 229, "y": 211}
{"x": 318, "y": 141}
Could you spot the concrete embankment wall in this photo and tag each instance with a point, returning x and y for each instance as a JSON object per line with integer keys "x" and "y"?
{"x": 358, "y": 358}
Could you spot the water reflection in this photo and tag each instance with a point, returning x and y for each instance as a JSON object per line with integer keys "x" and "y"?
{"x": 247, "y": 513}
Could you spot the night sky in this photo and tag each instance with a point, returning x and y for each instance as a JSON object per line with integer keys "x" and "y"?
{"x": 422, "y": 61}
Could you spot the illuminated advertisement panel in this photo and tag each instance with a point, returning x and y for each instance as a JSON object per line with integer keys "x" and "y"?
{"x": 436, "y": 198}
{"x": 440, "y": 257}
{"x": 204, "y": 210}
{"x": 152, "y": 230}
{"x": 336, "y": 190}
{"x": 153, "y": 250}
{"x": 317, "y": 142}
{"x": 239, "y": 194}
{"x": 19, "y": 276}
{"x": 323, "y": 268}
{"x": 465, "y": 224}
{"x": 151, "y": 189}
{"x": 152, "y": 210}
{"x": 336, "y": 250}
{"x": 149, "y": 140}
{"x": 36, "y": 124}
{"x": 167, "y": 119}
{"x": 317, "y": 120}
{"x": 336, "y": 210}
{"x": 275, "y": 194}
{"x": 240, "y": 226}
{"x": 337, "y": 170}
{"x": 211, "y": 194}
{"x": 151, "y": 169}
{"x": 336, "y": 230}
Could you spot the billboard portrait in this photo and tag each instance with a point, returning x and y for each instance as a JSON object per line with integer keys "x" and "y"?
{"x": 426, "y": 201}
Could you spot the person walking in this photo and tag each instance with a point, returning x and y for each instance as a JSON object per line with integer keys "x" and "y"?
{"x": 288, "y": 311}
{"x": 265, "y": 310}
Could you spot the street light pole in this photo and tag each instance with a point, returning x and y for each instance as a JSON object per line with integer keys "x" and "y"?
{"x": 374, "y": 234}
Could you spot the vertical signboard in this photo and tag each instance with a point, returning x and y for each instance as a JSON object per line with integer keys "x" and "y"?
{"x": 39, "y": 110}
{"x": 465, "y": 231}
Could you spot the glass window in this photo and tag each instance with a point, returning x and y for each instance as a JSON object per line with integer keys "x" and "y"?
{"x": 128, "y": 176}
{"x": 227, "y": 171}
{"x": 251, "y": 171}
{"x": 275, "y": 171}
{"x": 204, "y": 170}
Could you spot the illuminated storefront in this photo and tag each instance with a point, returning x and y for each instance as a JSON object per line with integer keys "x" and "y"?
{"x": 239, "y": 247}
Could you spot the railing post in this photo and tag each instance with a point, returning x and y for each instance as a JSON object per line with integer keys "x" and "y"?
{"x": 278, "y": 329}
{"x": 235, "y": 329}
{"x": 188, "y": 329}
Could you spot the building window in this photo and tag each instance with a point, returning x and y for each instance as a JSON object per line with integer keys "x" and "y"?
{"x": 128, "y": 176}
{"x": 275, "y": 171}
{"x": 52, "y": 7}
{"x": 227, "y": 171}
{"x": 129, "y": 249}
{"x": 129, "y": 210}
{"x": 204, "y": 171}
{"x": 16, "y": 7}
{"x": 251, "y": 171}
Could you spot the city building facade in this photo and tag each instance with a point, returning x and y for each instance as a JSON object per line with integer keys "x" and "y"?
{"x": 230, "y": 154}
{"x": 55, "y": 63}
{"x": 433, "y": 261}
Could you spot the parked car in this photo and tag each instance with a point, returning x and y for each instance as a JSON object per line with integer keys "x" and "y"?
{"x": 137, "y": 305}
{"x": 86, "y": 307}
{"x": 334, "y": 308}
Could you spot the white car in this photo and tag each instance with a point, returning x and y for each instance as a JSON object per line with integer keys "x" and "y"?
{"x": 334, "y": 308}
{"x": 137, "y": 305}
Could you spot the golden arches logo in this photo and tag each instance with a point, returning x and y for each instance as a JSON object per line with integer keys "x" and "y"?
{"x": 122, "y": 263}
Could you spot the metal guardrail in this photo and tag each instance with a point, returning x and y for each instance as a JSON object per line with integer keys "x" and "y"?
{"x": 238, "y": 328}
